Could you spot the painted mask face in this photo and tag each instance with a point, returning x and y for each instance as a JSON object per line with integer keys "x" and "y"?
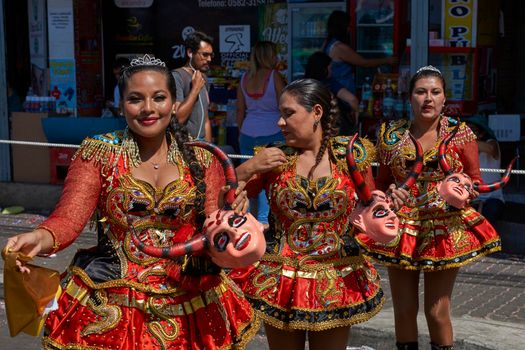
{"x": 376, "y": 220}
{"x": 235, "y": 240}
{"x": 455, "y": 189}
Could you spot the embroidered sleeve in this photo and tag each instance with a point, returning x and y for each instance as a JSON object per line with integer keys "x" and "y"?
{"x": 470, "y": 159}
{"x": 79, "y": 199}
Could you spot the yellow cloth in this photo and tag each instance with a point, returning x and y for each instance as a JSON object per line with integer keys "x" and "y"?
{"x": 27, "y": 294}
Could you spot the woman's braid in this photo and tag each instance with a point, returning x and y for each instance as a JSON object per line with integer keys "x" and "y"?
{"x": 330, "y": 128}
{"x": 196, "y": 171}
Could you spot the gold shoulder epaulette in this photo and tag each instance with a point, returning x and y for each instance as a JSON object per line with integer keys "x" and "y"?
{"x": 364, "y": 152}
{"x": 464, "y": 133}
{"x": 100, "y": 147}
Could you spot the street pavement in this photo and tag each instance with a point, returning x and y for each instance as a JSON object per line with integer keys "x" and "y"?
{"x": 488, "y": 301}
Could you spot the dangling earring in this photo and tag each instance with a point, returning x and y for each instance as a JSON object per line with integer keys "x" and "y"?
{"x": 316, "y": 123}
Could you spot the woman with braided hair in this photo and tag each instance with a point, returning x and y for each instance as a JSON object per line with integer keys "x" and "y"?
{"x": 437, "y": 235}
{"x": 145, "y": 180}
{"x": 312, "y": 279}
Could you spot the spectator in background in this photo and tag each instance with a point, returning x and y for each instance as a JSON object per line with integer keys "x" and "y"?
{"x": 118, "y": 66}
{"x": 258, "y": 108}
{"x": 191, "y": 107}
{"x": 336, "y": 45}
{"x": 491, "y": 204}
{"x": 319, "y": 67}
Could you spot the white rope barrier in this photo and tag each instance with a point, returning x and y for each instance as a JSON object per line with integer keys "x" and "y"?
{"x": 234, "y": 156}
{"x": 65, "y": 145}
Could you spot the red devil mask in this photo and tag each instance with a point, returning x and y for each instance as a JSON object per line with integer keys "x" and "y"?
{"x": 456, "y": 188}
{"x": 373, "y": 214}
{"x": 232, "y": 240}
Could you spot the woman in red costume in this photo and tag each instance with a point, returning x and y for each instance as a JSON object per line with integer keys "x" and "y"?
{"x": 435, "y": 237}
{"x": 312, "y": 278}
{"x": 146, "y": 180}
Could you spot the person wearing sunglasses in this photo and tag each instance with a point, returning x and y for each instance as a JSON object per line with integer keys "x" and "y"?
{"x": 192, "y": 101}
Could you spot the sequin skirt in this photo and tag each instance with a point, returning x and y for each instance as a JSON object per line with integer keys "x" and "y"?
{"x": 125, "y": 316}
{"x": 313, "y": 295}
{"x": 436, "y": 242}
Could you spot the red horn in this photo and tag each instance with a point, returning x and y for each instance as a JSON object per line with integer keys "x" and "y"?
{"x": 416, "y": 168}
{"x": 363, "y": 192}
{"x": 483, "y": 188}
{"x": 442, "y": 151}
{"x": 226, "y": 163}
{"x": 194, "y": 245}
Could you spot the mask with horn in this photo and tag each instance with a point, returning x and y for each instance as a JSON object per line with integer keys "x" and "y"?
{"x": 456, "y": 188}
{"x": 373, "y": 214}
{"x": 231, "y": 240}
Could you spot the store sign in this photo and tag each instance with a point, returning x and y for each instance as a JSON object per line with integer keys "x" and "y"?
{"x": 457, "y": 71}
{"x": 133, "y": 3}
{"x": 60, "y": 35}
{"x": 459, "y": 22}
{"x": 234, "y": 44}
{"x": 63, "y": 84}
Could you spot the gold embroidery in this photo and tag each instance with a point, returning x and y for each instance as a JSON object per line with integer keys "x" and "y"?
{"x": 164, "y": 331}
{"x": 110, "y": 314}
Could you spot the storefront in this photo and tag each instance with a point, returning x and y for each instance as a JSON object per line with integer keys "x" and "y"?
{"x": 72, "y": 45}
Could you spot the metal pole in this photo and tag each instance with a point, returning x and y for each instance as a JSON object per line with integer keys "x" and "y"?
{"x": 5, "y": 156}
{"x": 419, "y": 34}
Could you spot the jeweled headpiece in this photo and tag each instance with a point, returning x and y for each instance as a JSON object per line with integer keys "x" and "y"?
{"x": 430, "y": 68}
{"x": 147, "y": 60}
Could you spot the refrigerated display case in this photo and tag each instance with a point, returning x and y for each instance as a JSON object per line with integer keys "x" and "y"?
{"x": 306, "y": 32}
{"x": 376, "y": 31}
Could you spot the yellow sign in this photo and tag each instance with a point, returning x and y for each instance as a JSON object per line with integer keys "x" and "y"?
{"x": 459, "y": 22}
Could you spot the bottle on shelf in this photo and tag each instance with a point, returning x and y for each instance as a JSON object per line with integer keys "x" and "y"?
{"x": 388, "y": 100}
{"x": 366, "y": 96}
{"x": 366, "y": 90}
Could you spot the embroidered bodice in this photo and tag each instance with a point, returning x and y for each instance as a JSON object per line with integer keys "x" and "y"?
{"x": 396, "y": 152}
{"x": 309, "y": 218}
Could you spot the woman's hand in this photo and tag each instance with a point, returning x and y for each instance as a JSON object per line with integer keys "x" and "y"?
{"x": 399, "y": 196}
{"x": 241, "y": 204}
{"x": 268, "y": 159}
{"x": 265, "y": 160}
{"x": 30, "y": 244}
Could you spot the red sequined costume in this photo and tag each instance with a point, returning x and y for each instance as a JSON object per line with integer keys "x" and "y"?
{"x": 114, "y": 296}
{"x": 433, "y": 235}
{"x": 313, "y": 276}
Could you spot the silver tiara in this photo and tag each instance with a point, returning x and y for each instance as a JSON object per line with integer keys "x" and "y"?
{"x": 147, "y": 60}
{"x": 430, "y": 68}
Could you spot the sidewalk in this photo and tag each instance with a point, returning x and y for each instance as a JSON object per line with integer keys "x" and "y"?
{"x": 488, "y": 302}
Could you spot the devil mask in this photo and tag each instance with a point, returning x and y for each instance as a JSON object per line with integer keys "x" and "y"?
{"x": 373, "y": 214}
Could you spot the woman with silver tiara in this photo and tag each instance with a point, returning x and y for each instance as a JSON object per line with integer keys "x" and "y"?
{"x": 151, "y": 191}
{"x": 434, "y": 236}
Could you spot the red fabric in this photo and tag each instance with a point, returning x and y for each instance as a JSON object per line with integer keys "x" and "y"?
{"x": 206, "y": 312}
{"x": 470, "y": 160}
{"x": 310, "y": 278}
{"x": 433, "y": 236}
{"x": 196, "y": 329}
{"x": 78, "y": 201}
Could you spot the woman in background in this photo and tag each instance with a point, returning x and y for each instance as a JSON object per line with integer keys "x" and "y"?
{"x": 319, "y": 66}
{"x": 258, "y": 110}
{"x": 337, "y": 47}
